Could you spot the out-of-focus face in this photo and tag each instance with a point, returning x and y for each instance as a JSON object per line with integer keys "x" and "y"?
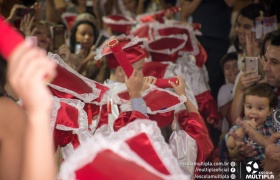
{"x": 85, "y": 36}
{"x": 43, "y": 35}
{"x": 243, "y": 27}
{"x": 271, "y": 65}
{"x": 82, "y": 2}
{"x": 256, "y": 108}
{"x": 231, "y": 70}
{"x": 130, "y": 5}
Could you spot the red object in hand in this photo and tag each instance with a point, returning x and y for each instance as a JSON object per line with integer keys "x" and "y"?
{"x": 121, "y": 57}
{"x": 166, "y": 83}
{"x": 10, "y": 39}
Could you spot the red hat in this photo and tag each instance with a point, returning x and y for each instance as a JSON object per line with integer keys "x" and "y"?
{"x": 68, "y": 19}
{"x": 132, "y": 48}
{"x": 143, "y": 31}
{"x": 179, "y": 29}
{"x": 122, "y": 153}
{"x": 165, "y": 48}
{"x": 118, "y": 23}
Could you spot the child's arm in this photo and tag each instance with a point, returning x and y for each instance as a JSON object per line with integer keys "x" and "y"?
{"x": 180, "y": 90}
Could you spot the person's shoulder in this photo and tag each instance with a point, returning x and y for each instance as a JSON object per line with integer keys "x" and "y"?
{"x": 10, "y": 109}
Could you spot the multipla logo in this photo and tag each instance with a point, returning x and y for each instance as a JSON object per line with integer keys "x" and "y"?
{"x": 253, "y": 172}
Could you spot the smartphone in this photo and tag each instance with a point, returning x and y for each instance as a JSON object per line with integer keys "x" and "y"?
{"x": 251, "y": 64}
{"x": 58, "y": 33}
{"x": 77, "y": 47}
{"x": 23, "y": 11}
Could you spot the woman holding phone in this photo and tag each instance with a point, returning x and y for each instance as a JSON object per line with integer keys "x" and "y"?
{"x": 82, "y": 39}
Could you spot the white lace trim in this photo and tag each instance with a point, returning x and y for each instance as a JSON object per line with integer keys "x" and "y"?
{"x": 129, "y": 21}
{"x": 192, "y": 37}
{"x": 85, "y": 97}
{"x": 139, "y": 26}
{"x": 133, "y": 41}
{"x": 168, "y": 50}
{"x": 125, "y": 105}
{"x": 116, "y": 142}
{"x": 55, "y": 108}
{"x": 82, "y": 116}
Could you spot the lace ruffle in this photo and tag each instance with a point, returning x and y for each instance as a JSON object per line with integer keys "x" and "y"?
{"x": 85, "y": 97}
{"x": 116, "y": 143}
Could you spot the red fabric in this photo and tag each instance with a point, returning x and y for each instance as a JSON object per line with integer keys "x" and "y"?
{"x": 68, "y": 80}
{"x": 103, "y": 118}
{"x": 155, "y": 69}
{"x": 140, "y": 142}
{"x": 155, "y": 98}
{"x": 165, "y": 83}
{"x": 193, "y": 124}
{"x": 67, "y": 116}
{"x": 126, "y": 117}
{"x": 167, "y": 31}
{"x": 70, "y": 20}
{"x": 62, "y": 138}
{"x": 119, "y": 27}
{"x": 162, "y": 119}
{"x": 107, "y": 165}
{"x": 129, "y": 55}
{"x": 207, "y": 107}
{"x": 165, "y": 43}
{"x": 10, "y": 38}
{"x": 201, "y": 57}
{"x": 121, "y": 57}
{"x": 143, "y": 31}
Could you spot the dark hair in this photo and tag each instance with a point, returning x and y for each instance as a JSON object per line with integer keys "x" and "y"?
{"x": 262, "y": 90}
{"x": 275, "y": 40}
{"x": 252, "y": 11}
{"x": 3, "y": 66}
{"x": 74, "y": 30}
{"x": 268, "y": 37}
{"x": 228, "y": 57}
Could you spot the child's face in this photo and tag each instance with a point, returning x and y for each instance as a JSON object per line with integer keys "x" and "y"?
{"x": 231, "y": 70}
{"x": 257, "y": 108}
{"x": 85, "y": 36}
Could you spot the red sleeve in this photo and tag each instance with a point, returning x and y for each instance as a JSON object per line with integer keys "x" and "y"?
{"x": 126, "y": 117}
{"x": 10, "y": 38}
{"x": 194, "y": 125}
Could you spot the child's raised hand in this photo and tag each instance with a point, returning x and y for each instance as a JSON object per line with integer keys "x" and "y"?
{"x": 148, "y": 80}
{"x": 29, "y": 69}
{"x": 180, "y": 87}
{"x": 135, "y": 83}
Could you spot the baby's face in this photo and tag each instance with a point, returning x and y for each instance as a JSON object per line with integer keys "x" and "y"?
{"x": 257, "y": 108}
{"x": 231, "y": 70}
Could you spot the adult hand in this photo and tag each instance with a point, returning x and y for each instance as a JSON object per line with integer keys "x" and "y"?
{"x": 28, "y": 70}
{"x": 272, "y": 154}
{"x": 26, "y": 23}
{"x": 252, "y": 45}
{"x": 247, "y": 79}
{"x": 13, "y": 13}
{"x": 135, "y": 83}
{"x": 243, "y": 149}
{"x": 38, "y": 10}
{"x": 64, "y": 53}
